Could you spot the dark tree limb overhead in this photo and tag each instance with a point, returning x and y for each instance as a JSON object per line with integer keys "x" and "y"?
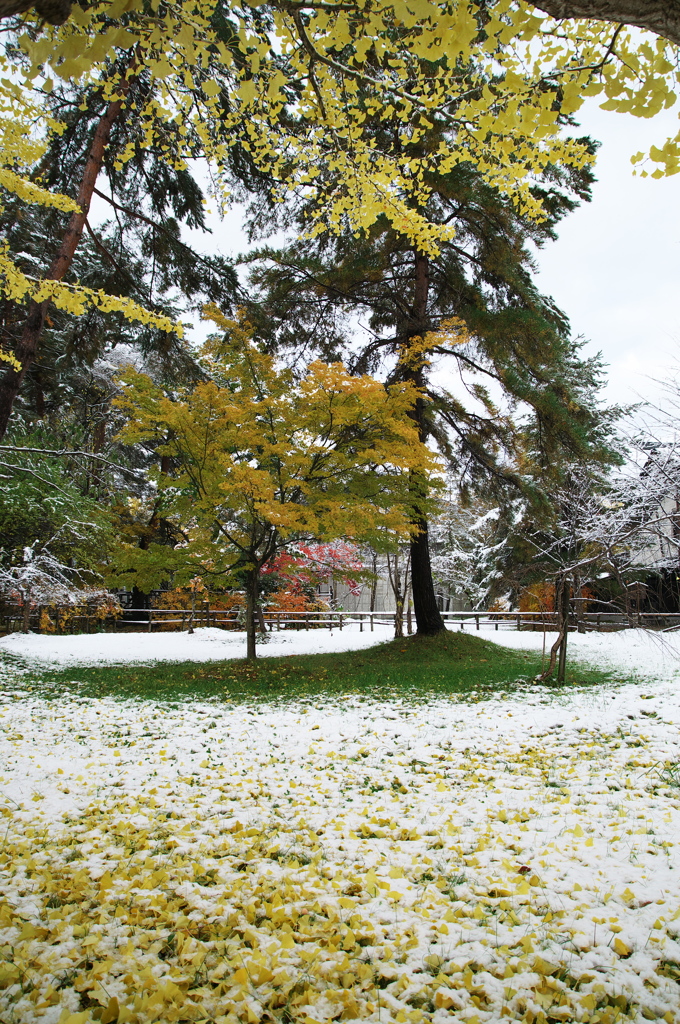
{"x": 659, "y": 16}
{"x": 662, "y": 17}
{"x": 55, "y": 12}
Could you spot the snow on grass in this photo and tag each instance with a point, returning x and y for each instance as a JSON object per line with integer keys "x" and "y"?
{"x": 633, "y": 652}
{"x": 205, "y": 644}
{"x": 392, "y": 862}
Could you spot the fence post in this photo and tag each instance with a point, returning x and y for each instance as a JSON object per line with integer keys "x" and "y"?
{"x": 371, "y": 614}
{"x": 150, "y": 617}
{"x": 477, "y": 620}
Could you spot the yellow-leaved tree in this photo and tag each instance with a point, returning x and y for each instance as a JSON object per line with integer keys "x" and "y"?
{"x": 300, "y": 87}
{"x": 258, "y": 459}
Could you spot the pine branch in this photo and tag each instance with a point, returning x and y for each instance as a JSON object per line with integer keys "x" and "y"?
{"x": 63, "y": 452}
{"x": 158, "y": 227}
{"x": 99, "y": 245}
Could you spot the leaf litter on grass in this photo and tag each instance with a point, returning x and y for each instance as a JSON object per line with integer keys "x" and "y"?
{"x": 340, "y": 858}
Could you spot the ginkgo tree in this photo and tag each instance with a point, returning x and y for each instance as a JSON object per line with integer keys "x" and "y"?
{"x": 259, "y": 460}
{"x": 298, "y": 86}
{"x": 295, "y": 85}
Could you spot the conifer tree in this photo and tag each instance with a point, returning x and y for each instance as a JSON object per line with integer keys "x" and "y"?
{"x": 138, "y": 254}
{"x": 474, "y": 308}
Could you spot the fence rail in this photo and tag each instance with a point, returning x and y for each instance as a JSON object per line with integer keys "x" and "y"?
{"x": 150, "y": 619}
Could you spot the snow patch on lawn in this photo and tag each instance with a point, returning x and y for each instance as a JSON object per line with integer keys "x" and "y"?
{"x": 205, "y": 644}
{"x": 396, "y": 862}
{"x": 632, "y": 652}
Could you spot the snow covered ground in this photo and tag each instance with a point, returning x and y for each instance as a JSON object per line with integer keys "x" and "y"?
{"x": 633, "y": 652}
{"x": 473, "y": 860}
{"x": 202, "y": 645}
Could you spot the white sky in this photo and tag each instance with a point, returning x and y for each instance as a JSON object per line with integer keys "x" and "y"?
{"x": 615, "y": 267}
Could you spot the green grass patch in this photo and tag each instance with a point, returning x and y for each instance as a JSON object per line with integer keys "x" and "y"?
{"x": 414, "y": 667}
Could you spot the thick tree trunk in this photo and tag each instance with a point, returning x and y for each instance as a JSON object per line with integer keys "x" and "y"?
{"x": 27, "y": 349}
{"x": 428, "y": 618}
{"x": 139, "y": 598}
{"x": 252, "y": 596}
{"x": 55, "y": 12}
{"x": 662, "y": 17}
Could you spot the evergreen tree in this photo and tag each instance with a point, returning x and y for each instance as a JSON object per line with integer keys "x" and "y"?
{"x": 138, "y": 254}
{"x": 64, "y": 391}
{"x": 379, "y": 302}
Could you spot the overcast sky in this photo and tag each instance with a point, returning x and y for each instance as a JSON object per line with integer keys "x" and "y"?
{"x": 615, "y": 269}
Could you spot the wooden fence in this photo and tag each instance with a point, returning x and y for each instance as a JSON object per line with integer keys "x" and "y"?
{"x": 178, "y": 619}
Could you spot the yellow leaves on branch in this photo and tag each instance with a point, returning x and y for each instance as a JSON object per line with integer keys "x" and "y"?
{"x": 7, "y": 357}
{"x": 494, "y": 97}
{"x": 29, "y": 192}
{"x": 451, "y": 333}
{"x": 76, "y": 299}
{"x": 259, "y": 454}
{"x": 414, "y": 64}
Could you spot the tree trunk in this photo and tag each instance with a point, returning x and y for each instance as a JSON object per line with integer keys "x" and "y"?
{"x": 252, "y": 596}
{"x": 27, "y": 348}
{"x": 428, "y": 618}
{"x": 139, "y": 598}
{"x": 399, "y": 618}
{"x": 659, "y": 16}
{"x": 98, "y": 441}
{"x": 558, "y": 651}
{"x": 26, "y": 614}
{"x": 580, "y": 605}
{"x": 374, "y": 581}
{"x": 562, "y": 661}
{"x": 395, "y": 584}
{"x": 565, "y": 594}
{"x": 55, "y": 12}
